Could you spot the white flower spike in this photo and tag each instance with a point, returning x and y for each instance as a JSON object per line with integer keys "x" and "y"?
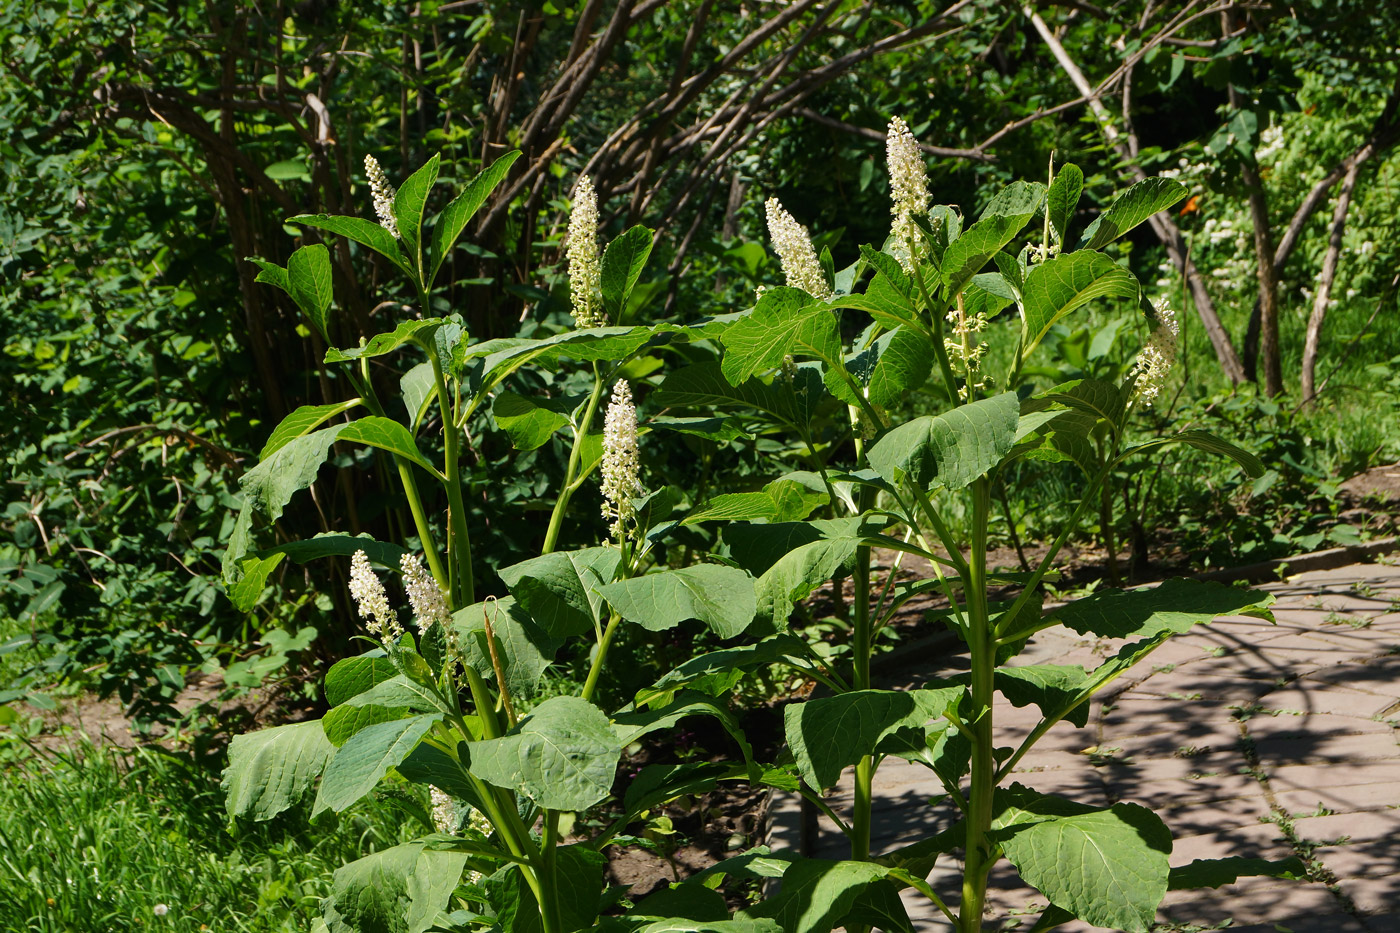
{"x": 908, "y": 186}
{"x": 383, "y": 194}
{"x": 794, "y": 248}
{"x": 371, "y": 600}
{"x": 1155, "y": 360}
{"x": 621, "y": 466}
{"x": 585, "y": 267}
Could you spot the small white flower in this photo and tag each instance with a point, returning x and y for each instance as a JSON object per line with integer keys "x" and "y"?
{"x": 371, "y": 599}
{"x": 1155, "y": 361}
{"x": 160, "y": 910}
{"x": 908, "y": 186}
{"x": 444, "y": 812}
{"x": 620, "y": 466}
{"x": 424, "y": 595}
{"x": 794, "y": 248}
{"x": 383, "y": 194}
{"x": 585, "y": 268}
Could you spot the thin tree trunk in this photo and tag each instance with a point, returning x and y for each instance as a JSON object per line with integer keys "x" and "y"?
{"x": 1324, "y": 282}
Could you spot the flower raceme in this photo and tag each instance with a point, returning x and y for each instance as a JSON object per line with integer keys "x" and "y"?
{"x": 908, "y": 187}
{"x": 1155, "y": 361}
{"x": 620, "y": 466}
{"x": 371, "y": 600}
{"x": 383, "y": 194}
{"x": 795, "y": 252}
{"x": 585, "y": 268}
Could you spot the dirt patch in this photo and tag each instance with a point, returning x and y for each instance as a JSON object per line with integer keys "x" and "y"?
{"x": 1378, "y": 485}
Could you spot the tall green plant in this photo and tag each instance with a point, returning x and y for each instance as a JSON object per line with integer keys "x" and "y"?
{"x": 449, "y": 706}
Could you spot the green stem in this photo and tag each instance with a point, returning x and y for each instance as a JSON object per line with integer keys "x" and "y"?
{"x": 561, "y": 504}
{"x": 939, "y": 351}
{"x": 420, "y": 522}
{"x": 979, "y": 856}
{"x": 861, "y": 651}
{"x": 591, "y": 684}
{"x": 549, "y": 874}
{"x": 461, "y": 584}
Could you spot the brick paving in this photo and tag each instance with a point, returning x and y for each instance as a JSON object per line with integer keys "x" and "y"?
{"x": 1248, "y": 739}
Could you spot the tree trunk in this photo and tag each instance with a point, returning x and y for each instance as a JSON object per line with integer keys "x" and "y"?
{"x": 1324, "y": 283}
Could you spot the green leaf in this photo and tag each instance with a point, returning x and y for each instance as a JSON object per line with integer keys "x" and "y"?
{"x": 1107, "y": 867}
{"x": 505, "y": 356}
{"x": 1053, "y": 688}
{"x": 530, "y": 422}
{"x": 560, "y": 591}
{"x": 563, "y": 757}
{"x": 623, "y": 262}
{"x": 1016, "y": 199}
{"x": 309, "y": 281}
{"x": 894, "y": 363}
{"x": 717, "y": 672}
{"x": 1204, "y": 440}
{"x": 271, "y": 274}
{"x": 270, "y": 770}
{"x": 349, "y": 677}
{"x": 687, "y": 902}
{"x": 387, "y": 434}
{"x": 1063, "y": 197}
{"x": 719, "y": 430}
{"x": 400, "y": 690}
{"x": 721, "y": 597}
{"x": 409, "y": 203}
{"x": 526, "y": 649}
{"x": 655, "y": 785}
{"x": 1100, "y": 400}
{"x": 344, "y": 721}
{"x": 429, "y": 765}
{"x": 1214, "y": 873}
{"x": 339, "y": 544}
{"x": 786, "y": 321}
{"x": 951, "y": 449}
{"x": 367, "y": 757}
{"x": 704, "y": 384}
{"x": 244, "y": 594}
{"x": 817, "y": 894}
{"x": 380, "y": 344}
{"x": 631, "y": 726}
{"x": 830, "y": 734}
{"x": 987, "y": 294}
{"x": 969, "y": 253}
{"x": 712, "y": 926}
{"x": 579, "y": 878}
{"x": 365, "y": 232}
{"x": 300, "y": 422}
{"x": 1061, "y": 285}
{"x": 792, "y": 559}
{"x": 417, "y": 388}
{"x": 454, "y": 218}
{"x": 1174, "y": 606}
{"x": 783, "y": 500}
{"x": 1131, "y": 208}
{"x": 397, "y": 890}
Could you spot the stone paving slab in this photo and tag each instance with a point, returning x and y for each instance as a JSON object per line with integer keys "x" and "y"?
{"x": 1247, "y": 738}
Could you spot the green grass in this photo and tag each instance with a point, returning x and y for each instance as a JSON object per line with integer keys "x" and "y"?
{"x": 94, "y": 841}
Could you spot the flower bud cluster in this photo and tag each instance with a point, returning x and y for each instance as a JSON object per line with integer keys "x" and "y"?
{"x": 1155, "y": 361}
{"x": 620, "y": 466}
{"x": 383, "y": 194}
{"x": 964, "y": 345}
{"x": 794, "y": 248}
{"x": 371, "y": 600}
{"x": 585, "y": 267}
{"x": 908, "y": 187}
{"x": 428, "y": 602}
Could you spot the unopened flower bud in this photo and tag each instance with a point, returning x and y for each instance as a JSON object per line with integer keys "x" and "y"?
{"x": 383, "y": 194}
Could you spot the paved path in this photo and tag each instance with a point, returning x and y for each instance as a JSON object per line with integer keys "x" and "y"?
{"x": 1248, "y": 739}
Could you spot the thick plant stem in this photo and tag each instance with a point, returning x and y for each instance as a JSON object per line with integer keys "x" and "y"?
{"x": 591, "y": 684}
{"x": 420, "y": 523}
{"x": 978, "y": 858}
{"x": 566, "y": 492}
{"x": 548, "y": 893}
{"x": 865, "y": 768}
{"x": 459, "y": 545}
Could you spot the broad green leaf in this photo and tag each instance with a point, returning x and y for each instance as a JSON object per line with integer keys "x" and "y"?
{"x": 502, "y": 357}
{"x": 690, "y": 903}
{"x": 879, "y": 906}
{"x": 951, "y": 449}
{"x": 1063, "y": 196}
{"x": 344, "y": 721}
{"x": 1101, "y": 400}
{"x": 380, "y": 344}
{"x": 339, "y": 544}
{"x": 792, "y": 558}
{"x": 563, "y": 757}
{"x": 270, "y": 770}
{"x": 399, "y": 690}
{"x": 1174, "y": 606}
{"x": 895, "y": 277}
{"x": 271, "y": 274}
{"x": 397, "y": 890}
{"x": 830, "y": 734}
{"x": 1051, "y": 687}
{"x": 530, "y": 422}
{"x": 309, "y": 281}
{"x": 712, "y": 926}
{"x": 365, "y": 232}
{"x": 817, "y": 894}
{"x": 349, "y": 677}
{"x": 658, "y": 784}
{"x": 417, "y": 388}
{"x": 409, "y": 203}
{"x": 721, "y": 597}
{"x": 1131, "y": 208}
{"x": 448, "y": 225}
{"x": 1066, "y": 283}
{"x": 631, "y": 726}
{"x": 703, "y": 385}
{"x": 367, "y": 757}
{"x": 717, "y": 672}
{"x": 300, "y": 422}
{"x": 244, "y": 594}
{"x": 1016, "y": 199}
{"x": 1214, "y": 873}
{"x": 786, "y": 321}
{"x": 1204, "y": 440}
{"x": 525, "y": 648}
{"x": 719, "y": 430}
{"x": 969, "y": 253}
{"x": 894, "y": 363}
{"x": 788, "y": 499}
{"x": 623, "y": 262}
{"x": 429, "y": 765}
{"x": 579, "y": 878}
{"x": 987, "y": 294}
{"x": 387, "y": 434}
{"x": 1107, "y": 867}
{"x": 560, "y": 590}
